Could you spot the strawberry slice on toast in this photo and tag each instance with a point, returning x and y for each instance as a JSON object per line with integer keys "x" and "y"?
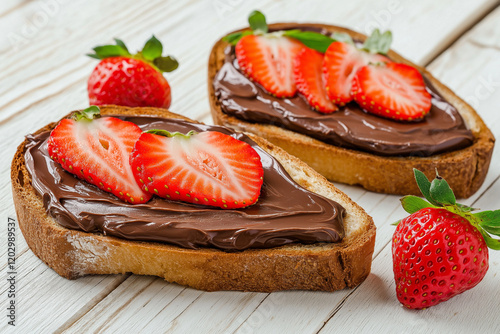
{"x": 392, "y": 90}
{"x": 97, "y": 150}
{"x": 342, "y": 61}
{"x": 209, "y": 168}
{"x": 308, "y": 75}
{"x": 268, "y": 60}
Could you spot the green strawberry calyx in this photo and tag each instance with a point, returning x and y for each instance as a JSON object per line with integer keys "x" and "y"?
{"x": 150, "y": 53}
{"x": 87, "y": 114}
{"x": 438, "y": 194}
{"x": 169, "y": 134}
{"x": 376, "y": 43}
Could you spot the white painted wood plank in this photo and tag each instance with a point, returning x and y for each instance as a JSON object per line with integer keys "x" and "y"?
{"x": 158, "y": 306}
{"x": 39, "y": 86}
{"x": 43, "y": 305}
{"x": 374, "y": 308}
{"x": 134, "y": 304}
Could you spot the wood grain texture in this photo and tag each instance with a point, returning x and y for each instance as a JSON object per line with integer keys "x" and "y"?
{"x": 46, "y": 77}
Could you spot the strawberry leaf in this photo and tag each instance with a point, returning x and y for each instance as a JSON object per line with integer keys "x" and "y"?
{"x": 342, "y": 37}
{"x": 165, "y": 133}
{"x": 396, "y": 223}
{"x": 490, "y": 221}
{"x": 441, "y": 192}
{"x": 424, "y": 185}
{"x": 465, "y": 208}
{"x": 152, "y": 49}
{"x": 257, "y": 22}
{"x": 166, "y": 64}
{"x": 378, "y": 43}
{"x": 119, "y": 42}
{"x": 107, "y": 51}
{"x": 313, "y": 40}
{"x": 234, "y": 38}
{"x": 87, "y": 114}
{"x": 490, "y": 242}
{"x": 412, "y": 204}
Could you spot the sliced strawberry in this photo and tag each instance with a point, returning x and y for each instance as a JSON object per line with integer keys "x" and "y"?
{"x": 308, "y": 72}
{"x": 207, "y": 168}
{"x": 393, "y": 90}
{"x": 98, "y": 151}
{"x": 341, "y": 62}
{"x": 268, "y": 60}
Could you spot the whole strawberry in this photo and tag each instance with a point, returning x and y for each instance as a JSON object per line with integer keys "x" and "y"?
{"x": 134, "y": 80}
{"x": 441, "y": 249}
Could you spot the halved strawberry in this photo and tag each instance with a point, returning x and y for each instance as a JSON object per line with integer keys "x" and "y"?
{"x": 308, "y": 74}
{"x": 208, "y": 168}
{"x": 392, "y": 90}
{"x": 97, "y": 151}
{"x": 341, "y": 62}
{"x": 268, "y": 60}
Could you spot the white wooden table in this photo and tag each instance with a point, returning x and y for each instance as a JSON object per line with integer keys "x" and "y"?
{"x": 43, "y": 74}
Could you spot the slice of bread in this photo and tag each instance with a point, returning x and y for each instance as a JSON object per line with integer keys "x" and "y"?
{"x": 465, "y": 169}
{"x": 322, "y": 266}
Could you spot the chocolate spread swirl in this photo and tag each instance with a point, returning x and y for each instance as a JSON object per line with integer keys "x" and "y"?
{"x": 285, "y": 212}
{"x": 442, "y": 130}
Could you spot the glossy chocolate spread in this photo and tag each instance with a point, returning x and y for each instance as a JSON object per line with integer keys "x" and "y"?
{"x": 442, "y": 130}
{"x": 285, "y": 212}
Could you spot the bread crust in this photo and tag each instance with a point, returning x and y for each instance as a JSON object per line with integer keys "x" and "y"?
{"x": 465, "y": 169}
{"x": 321, "y": 266}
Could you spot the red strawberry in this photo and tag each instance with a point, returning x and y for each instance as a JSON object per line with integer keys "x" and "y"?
{"x": 341, "y": 62}
{"x": 131, "y": 80}
{"x": 207, "y": 168}
{"x": 437, "y": 255}
{"x": 268, "y": 60}
{"x": 128, "y": 82}
{"x": 309, "y": 79}
{"x": 441, "y": 249}
{"x": 392, "y": 90}
{"x": 97, "y": 151}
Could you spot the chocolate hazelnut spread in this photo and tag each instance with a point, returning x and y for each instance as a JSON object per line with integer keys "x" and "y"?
{"x": 285, "y": 212}
{"x": 442, "y": 130}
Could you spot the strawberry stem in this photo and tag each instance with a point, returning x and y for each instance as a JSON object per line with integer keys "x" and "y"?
{"x": 257, "y": 22}
{"x": 166, "y": 133}
{"x": 87, "y": 114}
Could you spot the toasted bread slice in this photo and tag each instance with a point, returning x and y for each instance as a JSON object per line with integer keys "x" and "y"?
{"x": 322, "y": 266}
{"x": 465, "y": 169}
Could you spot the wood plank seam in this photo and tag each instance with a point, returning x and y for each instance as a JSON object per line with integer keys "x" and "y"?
{"x": 462, "y": 32}
{"x": 91, "y": 304}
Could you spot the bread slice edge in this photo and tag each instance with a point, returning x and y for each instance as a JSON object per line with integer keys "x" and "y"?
{"x": 322, "y": 266}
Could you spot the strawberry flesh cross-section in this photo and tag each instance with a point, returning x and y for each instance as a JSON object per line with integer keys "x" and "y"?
{"x": 209, "y": 168}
